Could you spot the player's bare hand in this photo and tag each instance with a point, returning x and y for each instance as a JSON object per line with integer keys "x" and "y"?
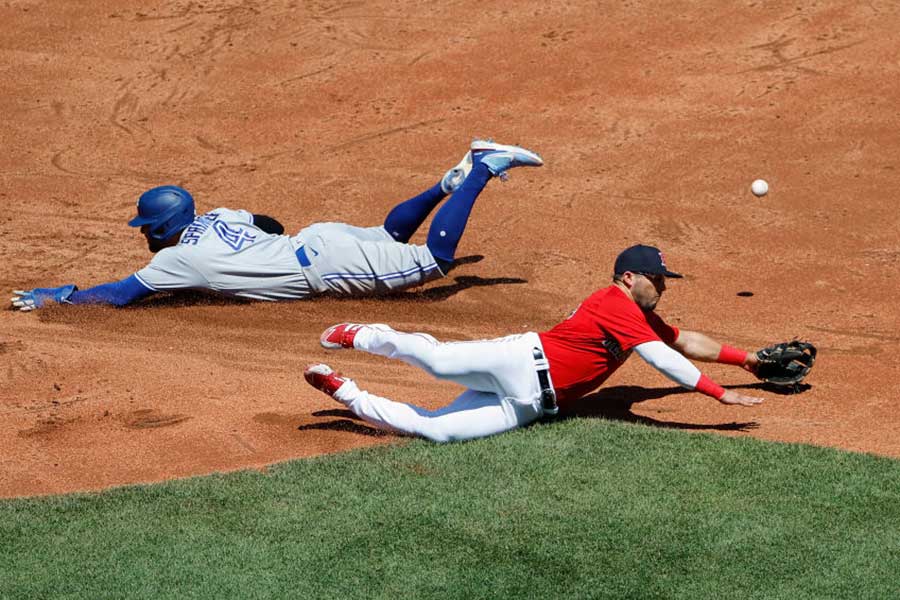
{"x": 732, "y": 397}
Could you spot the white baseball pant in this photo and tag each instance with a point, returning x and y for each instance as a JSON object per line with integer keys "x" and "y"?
{"x": 503, "y": 387}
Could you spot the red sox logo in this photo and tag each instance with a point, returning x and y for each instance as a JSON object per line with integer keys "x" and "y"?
{"x": 662, "y": 260}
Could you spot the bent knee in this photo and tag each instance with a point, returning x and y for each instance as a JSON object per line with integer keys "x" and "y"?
{"x": 440, "y": 433}
{"x": 433, "y": 430}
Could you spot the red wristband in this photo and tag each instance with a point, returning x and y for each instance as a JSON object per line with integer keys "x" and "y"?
{"x": 707, "y": 386}
{"x": 731, "y": 356}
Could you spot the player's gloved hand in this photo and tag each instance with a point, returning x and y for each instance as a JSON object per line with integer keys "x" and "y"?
{"x": 732, "y": 397}
{"x": 785, "y": 364}
{"x": 26, "y": 300}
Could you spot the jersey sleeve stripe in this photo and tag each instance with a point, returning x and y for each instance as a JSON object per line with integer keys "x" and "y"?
{"x": 144, "y": 283}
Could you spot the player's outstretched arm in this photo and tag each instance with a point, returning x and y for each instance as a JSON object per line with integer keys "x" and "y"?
{"x": 676, "y": 367}
{"x": 698, "y": 346}
{"x": 117, "y": 293}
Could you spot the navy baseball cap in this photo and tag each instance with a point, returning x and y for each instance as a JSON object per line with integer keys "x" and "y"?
{"x": 643, "y": 259}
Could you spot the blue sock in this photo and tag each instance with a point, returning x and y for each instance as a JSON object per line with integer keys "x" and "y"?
{"x": 450, "y": 221}
{"x": 405, "y": 218}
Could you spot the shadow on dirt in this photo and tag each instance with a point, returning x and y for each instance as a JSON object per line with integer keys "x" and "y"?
{"x": 443, "y": 292}
{"x": 781, "y": 390}
{"x": 346, "y": 421}
{"x": 188, "y": 298}
{"x": 614, "y": 403}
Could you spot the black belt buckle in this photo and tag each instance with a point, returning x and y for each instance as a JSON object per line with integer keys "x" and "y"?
{"x": 548, "y": 396}
{"x": 548, "y": 402}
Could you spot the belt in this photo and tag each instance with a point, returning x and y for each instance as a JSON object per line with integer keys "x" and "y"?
{"x": 548, "y": 396}
{"x": 302, "y": 257}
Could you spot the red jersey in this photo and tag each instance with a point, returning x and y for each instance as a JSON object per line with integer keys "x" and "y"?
{"x": 596, "y": 339}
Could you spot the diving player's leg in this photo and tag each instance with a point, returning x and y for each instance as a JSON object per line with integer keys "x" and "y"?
{"x": 504, "y": 366}
{"x": 450, "y": 221}
{"x": 364, "y": 261}
{"x": 405, "y": 218}
{"x": 488, "y": 160}
{"x": 357, "y": 267}
{"x": 471, "y": 415}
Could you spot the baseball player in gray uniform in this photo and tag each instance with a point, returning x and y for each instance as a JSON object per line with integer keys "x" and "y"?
{"x": 239, "y": 254}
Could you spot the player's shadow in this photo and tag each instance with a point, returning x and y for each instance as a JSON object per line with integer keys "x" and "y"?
{"x": 460, "y": 283}
{"x": 615, "y": 403}
{"x": 182, "y": 298}
{"x": 434, "y": 293}
{"x": 781, "y": 390}
{"x": 463, "y": 282}
{"x": 346, "y": 421}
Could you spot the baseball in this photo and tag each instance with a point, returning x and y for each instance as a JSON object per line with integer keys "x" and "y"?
{"x": 759, "y": 187}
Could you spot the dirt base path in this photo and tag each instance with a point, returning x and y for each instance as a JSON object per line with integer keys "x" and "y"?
{"x": 652, "y": 121}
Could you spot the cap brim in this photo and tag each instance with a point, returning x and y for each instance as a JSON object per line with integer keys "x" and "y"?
{"x": 673, "y": 274}
{"x": 138, "y": 221}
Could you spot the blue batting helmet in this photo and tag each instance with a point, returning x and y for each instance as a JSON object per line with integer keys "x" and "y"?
{"x": 167, "y": 209}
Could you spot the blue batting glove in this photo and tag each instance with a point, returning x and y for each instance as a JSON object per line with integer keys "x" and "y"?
{"x": 26, "y": 300}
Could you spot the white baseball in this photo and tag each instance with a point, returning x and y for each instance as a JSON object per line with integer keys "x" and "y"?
{"x": 759, "y": 187}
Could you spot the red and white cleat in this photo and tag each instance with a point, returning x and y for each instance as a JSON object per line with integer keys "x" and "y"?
{"x": 324, "y": 378}
{"x": 339, "y": 336}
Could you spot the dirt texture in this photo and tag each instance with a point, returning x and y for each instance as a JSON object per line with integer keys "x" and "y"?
{"x": 653, "y": 119}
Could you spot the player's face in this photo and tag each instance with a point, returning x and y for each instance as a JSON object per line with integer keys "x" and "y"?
{"x": 648, "y": 289}
{"x": 153, "y": 244}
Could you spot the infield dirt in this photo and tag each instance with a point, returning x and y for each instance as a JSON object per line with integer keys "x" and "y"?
{"x": 652, "y": 120}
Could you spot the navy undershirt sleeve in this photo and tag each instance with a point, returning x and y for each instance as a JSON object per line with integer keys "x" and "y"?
{"x": 268, "y": 224}
{"x": 117, "y": 293}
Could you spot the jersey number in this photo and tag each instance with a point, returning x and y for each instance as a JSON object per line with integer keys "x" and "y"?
{"x": 235, "y": 238}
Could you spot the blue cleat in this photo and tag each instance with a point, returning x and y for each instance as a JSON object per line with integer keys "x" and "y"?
{"x": 499, "y": 158}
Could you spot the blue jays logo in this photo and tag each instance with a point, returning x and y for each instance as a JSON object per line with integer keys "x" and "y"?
{"x": 235, "y": 238}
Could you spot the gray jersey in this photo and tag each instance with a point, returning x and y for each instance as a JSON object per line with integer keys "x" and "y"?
{"x": 223, "y": 251}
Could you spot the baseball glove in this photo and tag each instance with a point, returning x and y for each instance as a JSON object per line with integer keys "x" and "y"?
{"x": 786, "y": 363}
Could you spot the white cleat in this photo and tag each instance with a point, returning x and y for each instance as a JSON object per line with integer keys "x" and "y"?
{"x": 499, "y": 158}
{"x": 454, "y": 177}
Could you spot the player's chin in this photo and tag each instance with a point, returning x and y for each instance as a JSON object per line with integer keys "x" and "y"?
{"x": 650, "y": 304}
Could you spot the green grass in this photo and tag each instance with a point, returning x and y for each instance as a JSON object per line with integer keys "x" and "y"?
{"x": 579, "y": 509}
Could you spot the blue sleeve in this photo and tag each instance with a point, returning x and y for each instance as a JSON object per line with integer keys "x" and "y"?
{"x": 117, "y": 293}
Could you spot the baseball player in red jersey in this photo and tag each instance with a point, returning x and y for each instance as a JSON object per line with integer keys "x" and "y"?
{"x": 515, "y": 380}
